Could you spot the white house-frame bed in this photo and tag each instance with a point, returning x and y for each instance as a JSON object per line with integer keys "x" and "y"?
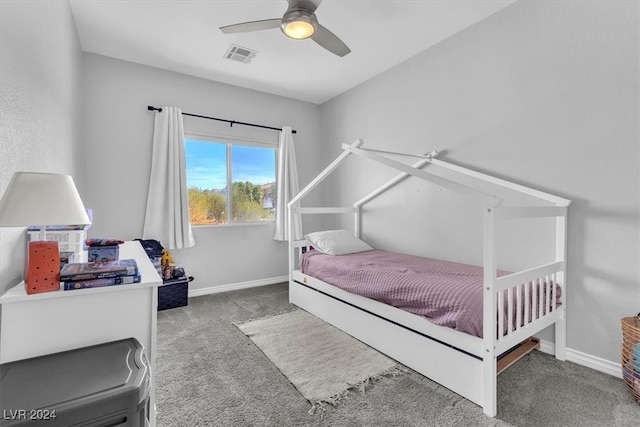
{"x": 466, "y": 364}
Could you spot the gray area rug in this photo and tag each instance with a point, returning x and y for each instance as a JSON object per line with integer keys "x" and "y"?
{"x": 209, "y": 374}
{"x": 321, "y": 361}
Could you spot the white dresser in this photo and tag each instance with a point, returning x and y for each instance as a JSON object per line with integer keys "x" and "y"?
{"x": 50, "y": 322}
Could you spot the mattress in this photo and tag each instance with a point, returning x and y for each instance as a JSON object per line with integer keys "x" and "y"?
{"x": 446, "y": 293}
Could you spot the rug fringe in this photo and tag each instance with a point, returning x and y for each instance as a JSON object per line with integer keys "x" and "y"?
{"x": 361, "y": 386}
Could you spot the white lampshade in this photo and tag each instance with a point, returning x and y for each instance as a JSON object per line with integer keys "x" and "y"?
{"x": 41, "y": 199}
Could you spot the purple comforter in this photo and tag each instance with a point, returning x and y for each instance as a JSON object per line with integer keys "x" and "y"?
{"x": 447, "y": 293}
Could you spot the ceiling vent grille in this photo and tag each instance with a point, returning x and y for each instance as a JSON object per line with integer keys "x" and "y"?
{"x": 240, "y": 54}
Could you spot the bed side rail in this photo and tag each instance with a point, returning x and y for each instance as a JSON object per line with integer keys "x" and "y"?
{"x": 524, "y": 302}
{"x": 302, "y": 246}
{"x": 527, "y": 302}
{"x": 297, "y": 249}
{"x": 301, "y": 243}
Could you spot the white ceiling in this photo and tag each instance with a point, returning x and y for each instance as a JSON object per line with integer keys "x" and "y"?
{"x": 184, "y": 36}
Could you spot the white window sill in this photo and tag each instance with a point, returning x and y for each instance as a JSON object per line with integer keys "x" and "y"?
{"x": 235, "y": 224}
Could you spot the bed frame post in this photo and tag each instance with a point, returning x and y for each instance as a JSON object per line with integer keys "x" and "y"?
{"x": 290, "y": 240}
{"x": 561, "y": 255}
{"x": 489, "y": 356}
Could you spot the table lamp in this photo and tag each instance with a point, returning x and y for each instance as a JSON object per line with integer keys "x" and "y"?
{"x": 42, "y": 199}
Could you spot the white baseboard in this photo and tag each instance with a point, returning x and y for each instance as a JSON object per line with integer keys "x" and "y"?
{"x": 235, "y": 286}
{"x": 584, "y": 359}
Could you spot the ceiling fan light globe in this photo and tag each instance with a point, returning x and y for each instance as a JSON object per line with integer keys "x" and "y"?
{"x": 299, "y": 24}
{"x": 299, "y": 30}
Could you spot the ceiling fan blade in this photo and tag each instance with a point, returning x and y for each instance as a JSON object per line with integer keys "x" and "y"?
{"x": 245, "y": 27}
{"x": 330, "y": 41}
{"x": 308, "y": 5}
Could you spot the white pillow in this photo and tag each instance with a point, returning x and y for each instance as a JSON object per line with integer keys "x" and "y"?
{"x": 337, "y": 242}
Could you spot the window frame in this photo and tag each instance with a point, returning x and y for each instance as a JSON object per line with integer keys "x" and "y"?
{"x": 230, "y": 141}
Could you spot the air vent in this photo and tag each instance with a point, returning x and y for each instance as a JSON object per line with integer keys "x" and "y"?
{"x": 240, "y": 54}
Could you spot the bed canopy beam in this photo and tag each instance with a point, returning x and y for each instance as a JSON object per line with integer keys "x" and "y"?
{"x": 395, "y": 180}
{"x": 520, "y": 212}
{"x": 559, "y": 201}
{"x": 418, "y": 173}
{"x": 415, "y": 170}
{"x": 357, "y": 219}
{"x": 431, "y": 158}
{"x": 427, "y": 156}
{"x": 326, "y": 172}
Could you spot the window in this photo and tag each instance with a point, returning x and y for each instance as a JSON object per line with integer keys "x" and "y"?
{"x": 213, "y": 167}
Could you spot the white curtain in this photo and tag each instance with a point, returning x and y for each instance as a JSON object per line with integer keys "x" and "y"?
{"x": 287, "y": 187}
{"x": 167, "y": 215}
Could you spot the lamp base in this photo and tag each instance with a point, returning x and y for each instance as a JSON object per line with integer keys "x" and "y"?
{"x": 42, "y": 273}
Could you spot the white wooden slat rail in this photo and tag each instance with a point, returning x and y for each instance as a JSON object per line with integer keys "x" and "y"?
{"x": 524, "y": 276}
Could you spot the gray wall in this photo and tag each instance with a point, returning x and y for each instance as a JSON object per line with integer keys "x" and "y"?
{"x": 542, "y": 93}
{"x": 40, "y": 74}
{"x": 118, "y": 130}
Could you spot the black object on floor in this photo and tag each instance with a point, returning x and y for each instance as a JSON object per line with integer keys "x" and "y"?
{"x": 105, "y": 384}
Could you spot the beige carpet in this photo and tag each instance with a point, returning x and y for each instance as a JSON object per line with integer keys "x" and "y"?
{"x": 321, "y": 361}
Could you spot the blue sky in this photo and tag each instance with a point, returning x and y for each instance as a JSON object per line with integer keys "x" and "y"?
{"x": 206, "y": 164}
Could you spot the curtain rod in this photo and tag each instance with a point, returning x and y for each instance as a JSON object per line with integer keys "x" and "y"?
{"x": 231, "y": 122}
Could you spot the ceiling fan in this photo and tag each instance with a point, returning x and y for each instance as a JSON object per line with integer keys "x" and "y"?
{"x": 298, "y": 22}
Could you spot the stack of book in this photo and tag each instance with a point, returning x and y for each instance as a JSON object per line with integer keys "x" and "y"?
{"x": 97, "y": 274}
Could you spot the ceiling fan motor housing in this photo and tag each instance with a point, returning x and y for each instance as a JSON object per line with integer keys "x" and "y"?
{"x": 299, "y": 24}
